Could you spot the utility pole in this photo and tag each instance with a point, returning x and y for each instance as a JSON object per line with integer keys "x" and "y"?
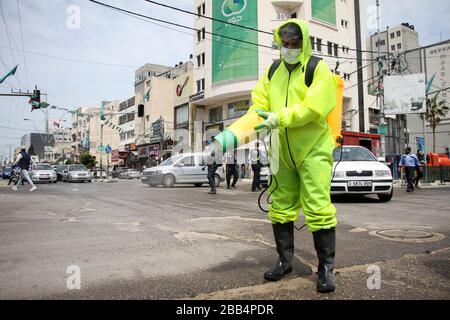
{"x": 380, "y": 75}
{"x": 101, "y": 149}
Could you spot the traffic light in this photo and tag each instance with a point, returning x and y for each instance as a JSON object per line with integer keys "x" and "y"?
{"x": 35, "y": 100}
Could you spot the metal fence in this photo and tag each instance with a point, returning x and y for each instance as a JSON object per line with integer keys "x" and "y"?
{"x": 432, "y": 174}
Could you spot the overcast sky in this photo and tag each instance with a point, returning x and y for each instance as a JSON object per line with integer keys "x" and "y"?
{"x": 82, "y": 67}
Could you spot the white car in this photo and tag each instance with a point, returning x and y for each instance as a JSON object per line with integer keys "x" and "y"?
{"x": 76, "y": 172}
{"x": 186, "y": 168}
{"x": 130, "y": 174}
{"x": 43, "y": 173}
{"x": 358, "y": 171}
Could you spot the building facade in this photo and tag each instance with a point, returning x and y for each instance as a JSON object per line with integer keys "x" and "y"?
{"x": 434, "y": 62}
{"x": 42, "y": 144}
{"x": 395, "y": 45}
{"x": 226, "y": 70}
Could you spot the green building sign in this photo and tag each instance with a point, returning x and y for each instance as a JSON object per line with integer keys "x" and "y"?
{"x": 232, "y": 59}
{"x": 324, "y": 10}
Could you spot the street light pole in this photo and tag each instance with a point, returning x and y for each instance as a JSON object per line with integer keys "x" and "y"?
{"x": 101, "y": 149}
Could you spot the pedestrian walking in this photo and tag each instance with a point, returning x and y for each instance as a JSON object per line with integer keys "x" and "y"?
{"x": 231, "y": 169}
{"x": 409, "y": 162}
{"x": 24, "y": 161}
{"x": 255, "y": 160}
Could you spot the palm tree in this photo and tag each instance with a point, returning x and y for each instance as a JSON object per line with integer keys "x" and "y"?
{"x": 436, "y": 111}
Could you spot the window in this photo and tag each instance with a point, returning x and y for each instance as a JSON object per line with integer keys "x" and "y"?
{"x": 399, "y": 46}
{"x": 393, "y": 47}
{"x": 319, "y": 44}
{"x": 203, "y": 33}
{"x": 181, "y": 114}
{"x": 399, "y": 33}
{"x": 336, "y": 47}
{"x": 380, "y": 43}
{"x": 294, "y": 15}
{"x": 188, "y": 161}
{"x": 215, "y": 114}
{"x": 330, "y": 48}
{"x": 344, "y": 23}
{"x": 201, "y": 60}
{"x": 313, "y": 43}
{"x": 200, "y": 85}
{"x": 392, "y": 35}
{"x": 238, "y": 109}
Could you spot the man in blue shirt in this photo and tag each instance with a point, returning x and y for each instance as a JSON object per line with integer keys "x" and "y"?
{"x": 409, "y": 161}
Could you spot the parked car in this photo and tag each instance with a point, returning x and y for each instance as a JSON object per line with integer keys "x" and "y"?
{"x": 76, "y": 172}
{"x": 130, "y": 174}
{"x": 358, "y": 171}
{"x": 183, "y": 168}
{"x": 97, "y": 173}
{"x": 43, "y": 172}
{"x": 6, "y": 174}
{"x": 59, "y": 171}
{"x": 115, "y": 173}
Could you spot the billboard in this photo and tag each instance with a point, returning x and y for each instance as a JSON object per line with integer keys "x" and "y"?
{"x": 324, "y": 10}
{"x": 231, "y": 59}
{"x": 404, "y": 94}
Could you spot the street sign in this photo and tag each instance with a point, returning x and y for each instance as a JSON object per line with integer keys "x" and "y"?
{"x": 382, "y": 130}
{"x": 108, "y": 149}
{"x": 101, "y": 148}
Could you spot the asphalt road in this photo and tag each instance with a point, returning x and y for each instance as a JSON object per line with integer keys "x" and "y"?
{"x": 131, "y": 241}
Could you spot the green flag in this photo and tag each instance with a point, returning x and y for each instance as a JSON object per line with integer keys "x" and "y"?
{"x": 12, "y": 72}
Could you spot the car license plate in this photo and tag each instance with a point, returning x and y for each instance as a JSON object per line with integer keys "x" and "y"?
{"x": 359, "y": 183}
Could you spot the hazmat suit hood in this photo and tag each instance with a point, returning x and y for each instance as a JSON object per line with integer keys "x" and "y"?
{"x": 306, "y": 50}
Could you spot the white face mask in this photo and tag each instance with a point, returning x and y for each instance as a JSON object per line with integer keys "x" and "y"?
{"x": 290, "y": 55}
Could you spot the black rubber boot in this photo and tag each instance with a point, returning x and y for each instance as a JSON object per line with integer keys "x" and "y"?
{"x": 325, "y": 245}
{"x": 284, "y": 239}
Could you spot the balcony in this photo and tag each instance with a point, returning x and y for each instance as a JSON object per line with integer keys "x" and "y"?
{"x": 289, "y": 4}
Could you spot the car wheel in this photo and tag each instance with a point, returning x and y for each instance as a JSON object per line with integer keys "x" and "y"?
{"x": 198, "y": 185}
{"x": 385, "y": 197}
{"x": 168, "y": 181}
{"x": 217, "y": 180}
{"x": 55, "y": 181}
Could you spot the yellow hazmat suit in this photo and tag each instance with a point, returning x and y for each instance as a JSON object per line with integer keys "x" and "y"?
{"x": 303, "y": 175}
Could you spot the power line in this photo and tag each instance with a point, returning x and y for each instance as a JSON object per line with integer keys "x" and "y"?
{"x": 71, "y": 59}
{"x": 23, "y": 47}
{"x": 360, "y": 83}
{"x": 237, "y": 25}
{"x": 9, "y": 41}
{"x": 208, "y": 32}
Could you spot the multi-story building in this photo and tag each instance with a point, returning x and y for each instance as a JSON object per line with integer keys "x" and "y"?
{"x": 87, "y": 130}
{"x": 63, "y": 143}
{"x": 42, "y": 144}
{"x": 151, "y": 133}
{"x": 434, "y": 62}
{"x": 226, "y": 70}
{"x": 395, "y": 45}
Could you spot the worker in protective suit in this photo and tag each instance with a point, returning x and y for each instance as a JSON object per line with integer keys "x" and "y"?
{"x": 303, "y": 178}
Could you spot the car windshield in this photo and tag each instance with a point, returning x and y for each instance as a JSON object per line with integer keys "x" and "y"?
{"x": 353, "y": 154}
{"x": 78, "y": 167}
{"x": 171, "y": 160}
{"x": 60, "y": 168}
{"x": 43, "y": 167}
